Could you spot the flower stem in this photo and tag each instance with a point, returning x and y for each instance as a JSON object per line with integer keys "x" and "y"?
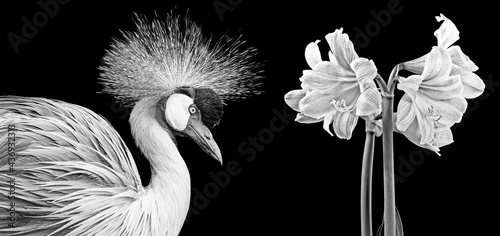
{"x": 366, "y": 185}
{"x": 381, "y": 84}
{"x": 388, "y": 165}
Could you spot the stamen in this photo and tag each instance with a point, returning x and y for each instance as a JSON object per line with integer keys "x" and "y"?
{"x": 434, "y": 114}
{"x": 341, "y": 106}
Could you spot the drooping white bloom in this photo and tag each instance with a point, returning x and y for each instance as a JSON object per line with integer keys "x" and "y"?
{"x": 433, "y": 102}
{"x": 338, "y": 91}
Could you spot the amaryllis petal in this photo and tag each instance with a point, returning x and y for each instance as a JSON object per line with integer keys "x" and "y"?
{"x": 293, "y": 97}
{"x": 336, "y": 71}
{"x": 318, "y": 82}
{"x": 432, "y": 113}
{"x": 342, "y": 71}
{"x": 327, "y": 121}
{"x": 406, "y": 114}
{"x": 332, "y": 58}
{"x": 316, "y": 105}
{"x": 342, "y": 48}
{"x": 413, "y": 134}
{"x": 369, "y": 102}
{"x": 473, "y": 85}
{"x": 442, "y": 88}
{"x": 313, "y": 56}
{"x": 304, "y": 86}
{"x": 412, "y": 130}
{"x": 410, "y": 85}
{"x": 344, "y": 123}
{"x": 447, "y": 34}
{"x": 426, "y": 125}
{"x": 442, "y": 137}
{"x": 339, "y": 88}
{"x": 437, "y": 64}
{"x": 446, "y": 112}
{"x": 416, "y": 66}
{"x": 325, "y": 79}
{"x": 306, "y": 119}
{"x": 460, "y": 59}
{"x": 365, "y": 71}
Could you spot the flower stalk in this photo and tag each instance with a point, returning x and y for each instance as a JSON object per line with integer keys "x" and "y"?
{"x": 388, "y": 153}
{"x": 366, "y": 184}
{"x": 388, "y": 166}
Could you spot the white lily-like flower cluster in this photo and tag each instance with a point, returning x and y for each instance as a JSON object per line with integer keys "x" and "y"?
{"x": 341, "y": 90}
{"x": 338, "y": 91}
{"x": 435, "y": 96}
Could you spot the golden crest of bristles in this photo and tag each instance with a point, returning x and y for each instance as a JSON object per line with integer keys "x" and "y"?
{"x": 164, "y": 54}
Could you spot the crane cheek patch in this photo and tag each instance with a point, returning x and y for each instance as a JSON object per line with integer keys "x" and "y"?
{"x": 210, "y": 106}
{"x": 177, "y": 111}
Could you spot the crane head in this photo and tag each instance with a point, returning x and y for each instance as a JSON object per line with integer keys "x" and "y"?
{"x": 168, "y": 59}
{"x": 191, "y": 112}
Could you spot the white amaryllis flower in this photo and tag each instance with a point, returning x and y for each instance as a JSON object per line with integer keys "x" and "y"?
{"x": 338, "y": 91}
{"x": 446, "y": 35}
{"x": 433, "y": 102}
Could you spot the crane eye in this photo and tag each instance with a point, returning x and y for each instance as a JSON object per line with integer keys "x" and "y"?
{"x": 192, "y": 109}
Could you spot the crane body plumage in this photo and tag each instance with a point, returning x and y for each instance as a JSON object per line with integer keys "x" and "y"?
{"x": 75, "y": 176}
{"x": 72, "y": 174}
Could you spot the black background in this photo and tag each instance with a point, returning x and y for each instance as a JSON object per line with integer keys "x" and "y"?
{"x": 302, "y": 182}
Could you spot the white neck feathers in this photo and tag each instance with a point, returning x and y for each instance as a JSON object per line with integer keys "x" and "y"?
{"x": 167, "y": 197}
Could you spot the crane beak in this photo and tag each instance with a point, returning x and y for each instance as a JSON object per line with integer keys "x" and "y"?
{"x": 202, "y": 136}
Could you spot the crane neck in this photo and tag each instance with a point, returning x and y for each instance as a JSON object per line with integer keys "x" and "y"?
{"x": 169, "y": 188}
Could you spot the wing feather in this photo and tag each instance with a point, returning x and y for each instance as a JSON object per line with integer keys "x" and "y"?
{"x": 72, "y": 171}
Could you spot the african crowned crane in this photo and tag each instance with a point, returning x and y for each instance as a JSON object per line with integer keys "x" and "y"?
{"x": 65, "y": 171}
